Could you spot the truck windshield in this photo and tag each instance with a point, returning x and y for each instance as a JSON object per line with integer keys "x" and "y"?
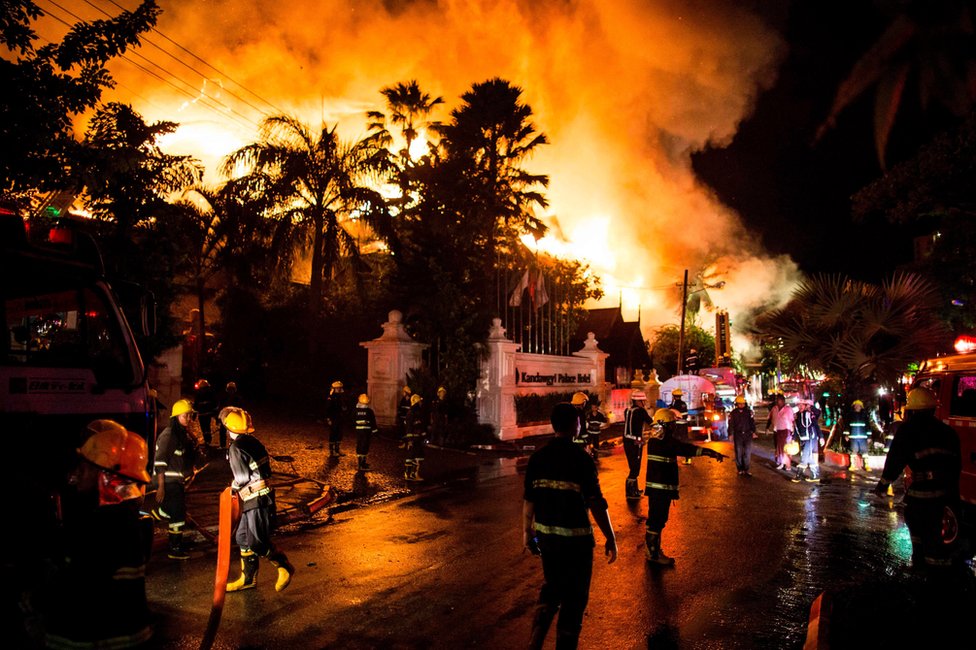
{"x": 67, "y": 327}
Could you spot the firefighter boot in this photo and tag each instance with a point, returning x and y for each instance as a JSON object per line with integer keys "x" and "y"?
{"x": 249, "y": 572}
{"x": 653, "y": 550}
{"x": 416, "y": 470}
{"x": 363, "y": 465}
{"x": 540, "y": 625}
{"x": 567, "y": 639}
{"x": 176, "y": 551}
{"x": 631, "y": 489}
{"x": 408, "y": 470}
{"x": 285, "y": 569}
{"x": 333, "y": 450}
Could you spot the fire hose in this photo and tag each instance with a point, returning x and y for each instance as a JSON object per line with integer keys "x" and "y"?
{"x": 230, "y": 514}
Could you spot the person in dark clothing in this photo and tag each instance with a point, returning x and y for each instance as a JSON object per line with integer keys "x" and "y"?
{"x": 636, "y": 418}
{"x": 742, "y": 427}
{"x": 677, "y": 403}
{"x": 596, "y": 420}
{"x": 663, "y": 450}
{"x": 416, "y": 438}
{"x": 336, "y": 411}
{"x": 931, "y": 450}
{"x": 561, "y": 484}
{"x": 205, "y": 406}
{"x": 580, "y": 401}
{"x": 810, "y": 437}
{"x": 858, "y": 426}
{"x": 175, "y": 456}
{"x": 403, "y": 410}
{"x": 691, "y": 362}
{"x": 251, "y": 470}
{"x": 364, "y": 421}
{"x": 438, "y": 416}
{"x": 96, "y": 593}
{"x": 230, "y": 398}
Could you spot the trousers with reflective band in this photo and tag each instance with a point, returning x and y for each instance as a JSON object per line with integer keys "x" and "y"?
{"x": 562, "y": 531}
{"x": 556, "y": 485}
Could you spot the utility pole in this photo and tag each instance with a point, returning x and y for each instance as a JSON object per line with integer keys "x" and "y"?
{"x": 681, "y": 332}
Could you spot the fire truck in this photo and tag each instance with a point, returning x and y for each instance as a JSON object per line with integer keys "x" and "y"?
{"x": 953, "y": 380}
{"x": 68, "y": 357}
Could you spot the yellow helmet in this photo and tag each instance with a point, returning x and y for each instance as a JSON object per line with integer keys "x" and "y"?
{"x": 579, "y": 399}
{"x": 920, "y": 399}
{"x": 110, "y": 446}
{"x": 739, "y": 399}
{"x": 364, "y": 399}
{"x": 180, "y": 407}
{"x": 415, "y": 399}
{"x": 406, "y": 390}
{"x": 664, "y": 415}
{"x": 857, "y": 402}
{"x": 677, "y": 392}
{"x": 236, "y": 420}
{"x": 337, "y": 384}
{"x": 441, "y": 392}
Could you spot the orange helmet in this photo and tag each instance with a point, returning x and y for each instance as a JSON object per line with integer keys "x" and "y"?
{"x": 113, "y": 448}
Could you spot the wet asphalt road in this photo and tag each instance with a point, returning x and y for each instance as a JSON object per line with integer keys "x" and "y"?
{"x": 443, "y": 567}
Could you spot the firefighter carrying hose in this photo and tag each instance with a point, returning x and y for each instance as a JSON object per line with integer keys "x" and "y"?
{"x": 931, "y": 450}
{"x": 663, "y": 450}
{"x": 364, "y": 422}
{"x": 251, "y": 468}
{"x": 175, "y": 455}
{"x": 97, "y": 592}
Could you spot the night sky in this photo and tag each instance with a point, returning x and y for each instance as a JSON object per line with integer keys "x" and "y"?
{"x": 795, "y": 194}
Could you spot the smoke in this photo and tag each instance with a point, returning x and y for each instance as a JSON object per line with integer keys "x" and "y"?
{"x": 626, "y": 91}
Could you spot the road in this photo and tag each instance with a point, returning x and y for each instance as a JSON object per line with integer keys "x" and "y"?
{"x": 444, "y": 568}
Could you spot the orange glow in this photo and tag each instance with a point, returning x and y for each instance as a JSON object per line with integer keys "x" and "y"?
{"x": 965, "y": 344}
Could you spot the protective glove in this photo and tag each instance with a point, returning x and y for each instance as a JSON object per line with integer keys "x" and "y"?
{"x": 531, "y": 542}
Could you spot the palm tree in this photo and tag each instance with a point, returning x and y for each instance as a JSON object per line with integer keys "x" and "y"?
{"x": 857, "y": 332}
{"x": 930, "y": 42}
{"x": 319, "y": 184}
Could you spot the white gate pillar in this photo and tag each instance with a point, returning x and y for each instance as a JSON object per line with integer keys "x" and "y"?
{"x": 391, "y": 356}
{"x": 599, "y": 360}
{"x": 496, "y": 388}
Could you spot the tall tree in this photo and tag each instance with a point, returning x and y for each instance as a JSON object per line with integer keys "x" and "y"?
{"x": 319, "y": 183}
{"x": 45, "y": 87}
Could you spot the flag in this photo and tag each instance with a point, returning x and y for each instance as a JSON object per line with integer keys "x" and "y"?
{"x": 515, "y": 300}
{"x": 537, "y": 291}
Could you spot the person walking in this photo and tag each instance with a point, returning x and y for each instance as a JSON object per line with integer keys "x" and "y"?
{"x": 636, "y": 418}
{"x": 561, "y": 485}
{"x": 663, "y": 450}
{"x": 250, "y": 467}
{"x": 173, "y": 463}
{"x": 205, "y": 406}
{"x": 742, "y": 427}
{"x": 336, "y": 411}
{"x": 931, "y": 450}
{"x": 781, "y": 421}
{"x": 416, "y": 436}
{"x": 364, "y": 421}
{"x": 810, "y": 436}
{"x": 596, "y": 420}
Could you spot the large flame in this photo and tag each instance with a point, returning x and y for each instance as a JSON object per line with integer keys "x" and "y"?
{"x": 626, "y": 91}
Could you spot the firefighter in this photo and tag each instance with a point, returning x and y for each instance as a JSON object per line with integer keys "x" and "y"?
{"x": 438, "y": 416}
{"x": 858, "y": 428}
{"x": 251, "y": 470}
{"x": 636, "y": 418}
{"x": 596, "y": 420}
{"x": 579, "y": 402}
{"x": 403, "y": 410}
{"x": 336, "y": 411}
{"x": 561, "y": 484}
{"x": 205, "y": 406}
{"x": 230, "y": 398}
{"x": 663, "y": 450}
{"x": 175, "y": 455}
{"x": 931, "y": 450}
{"x": 810, "y": 436}
{"x": 97, "y": 593}
{"x": 742, "y": 426}
{"x": 677, "y": 403}
{"x": 415, "y": 437}
{"x": 691, "y": 362}
{"x": 364, "y": 421}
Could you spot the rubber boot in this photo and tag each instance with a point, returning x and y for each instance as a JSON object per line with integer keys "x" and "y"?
{"x": 416, "y": 470}
{"x": 285, "y": 569}
{"x": 540, "y": 625}
{"x": 631, "y": 489}
{"x": 249, "y": 572}
{"x": 338, "y": 450}
{"x": 176, "y": 550}
{"x": 363, "y": 465}
{"x": 653, "y": 550}
{"x": 567, "y": 639}
{"x": 408, "y": 470}
{"x": 797, "y": 476}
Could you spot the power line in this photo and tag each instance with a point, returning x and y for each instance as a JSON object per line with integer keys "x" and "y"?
{"x": 204, "y": 62}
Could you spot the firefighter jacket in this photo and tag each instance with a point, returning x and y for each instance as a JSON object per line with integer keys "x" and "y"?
{"x": 807, "y": 426}
{"x": 859, "y": 425}
{"x": 634, "y": 420}
{"x": 562, "y": 484}
{"x": 336, "y": 409}
{"x": 594, "y": 421}
{"x": 679, "y": 405}
{"x": 403, "y": 408}
{"x": 251, "y": 469}
{"x": 930, "y": 448}
{"x": 205, "y": 401}
{"x": 364, "y": 420}
{"x": 175, "y": 452}
{"x": 662, "y": 463}
{"x": 438, "y": 413}
{"x": 417, "y": 422}
{"x": 742, "y": 423}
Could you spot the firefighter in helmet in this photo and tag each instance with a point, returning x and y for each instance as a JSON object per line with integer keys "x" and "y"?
{"x": 364, "y": 420}
{"x": 402, "y": 412}
{"x": 579, "y": 402}
{"x": 205, "y": 405}
{"x": 173, "y": 463}
{"x": 416, "y": 436}
{"x": 251, "y": 469}
{"x": 596, "y": 420}
{"x": 438, "y": 416}
{"x": 931, "y": 450}
{"x": 105, "y": 547}
{"x": 336, "y": 411}
{"x": 663, "y": 450}
{"x": 636, "y": 418}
